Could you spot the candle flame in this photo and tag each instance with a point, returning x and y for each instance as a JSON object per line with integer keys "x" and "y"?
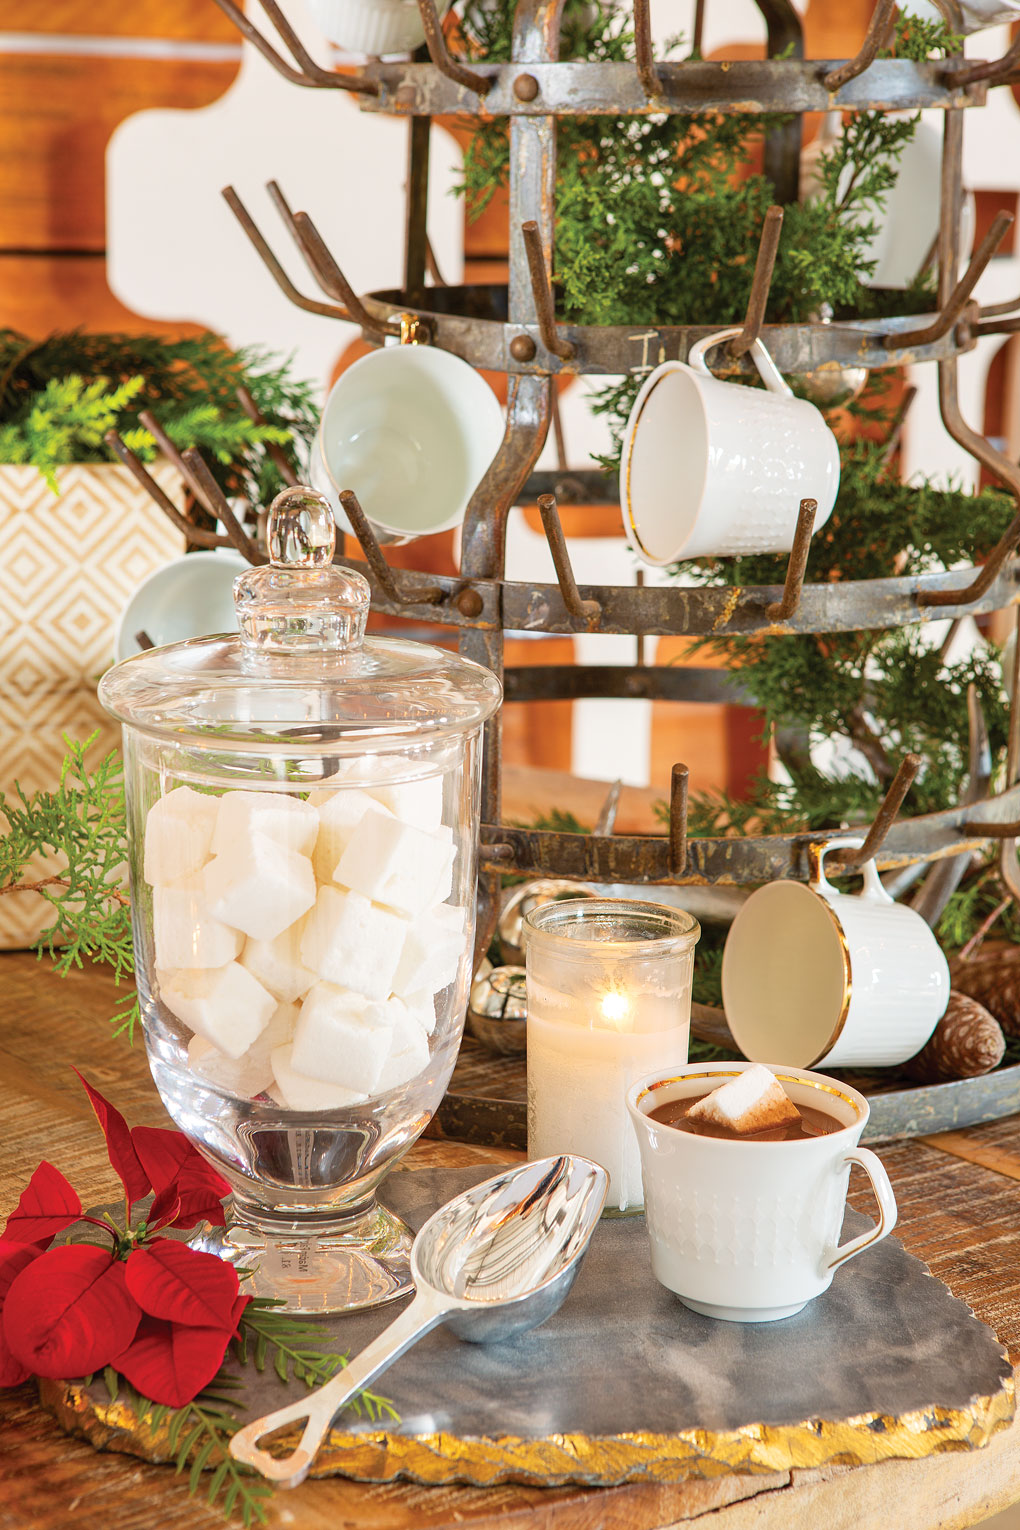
{"x": 615, "y": 1006}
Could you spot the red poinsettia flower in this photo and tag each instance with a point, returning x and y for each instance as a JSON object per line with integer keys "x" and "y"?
{"x": 160, "y": 1312}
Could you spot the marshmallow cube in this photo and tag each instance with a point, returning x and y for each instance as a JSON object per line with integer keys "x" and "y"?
{"x": 753, "y": 1101}
{"x": 397, "y": 864}
{"x": 288, "y": 820}
{"x": 339, "y": 816}
{"x": 432, "y": 952}
{"x": 418, "y": 801}
{"x": 252, "y": 1072}
{"x": 277, "y": 964}
{"x": 343, "y": 1038}
{"x": 186, "y": 932}
{"x": 178, "y": 835}
{"x": 259, "y": 886}
{"x": 409, "y": 1054}
{"x": 245, "y": 1076}
{"x": 422, "y": 1006}
{"x": 352, "y": 942}
{"x": 296, "y": 1091}
{"x": 225, "y": 1005}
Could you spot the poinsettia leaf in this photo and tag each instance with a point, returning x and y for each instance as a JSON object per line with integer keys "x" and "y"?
{"x": 48, "y": 1204}
{"x": 14, "y": 1257}
{"x": 124, "y": 1159}
{"x": 183, "y": 1285}
{"x": 172, "y": 1362}
{"x": 165, "y": 1209}
{"x": 69, "y": 1311}
{"x": 168, "y": 1157}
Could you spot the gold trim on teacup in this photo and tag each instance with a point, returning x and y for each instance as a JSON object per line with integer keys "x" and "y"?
{"x": 633, "y": 430}
{"x": 848, "y": 982}
{"x": 783, "y": 1078}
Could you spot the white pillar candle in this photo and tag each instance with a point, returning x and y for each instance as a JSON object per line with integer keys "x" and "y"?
{"x": 609, "y": 1000}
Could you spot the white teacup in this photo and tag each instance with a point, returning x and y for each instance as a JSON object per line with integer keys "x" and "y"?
{"x": 964, "y": 15}
{"x": 717, "y": 469}
{"x": 411, "y": 430}
{"x": 193, "y": 596}
{"x": 749, "y": 1231}
{"x": 374, "y": 27}
{"x": 819, "y": 976}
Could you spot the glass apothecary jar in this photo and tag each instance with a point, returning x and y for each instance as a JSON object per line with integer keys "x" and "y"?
{"x": 302, "y": 826}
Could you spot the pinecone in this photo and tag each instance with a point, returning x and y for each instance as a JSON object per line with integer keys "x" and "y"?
{"x": 995, "y": 982}
{"x": 967, "y": 1041}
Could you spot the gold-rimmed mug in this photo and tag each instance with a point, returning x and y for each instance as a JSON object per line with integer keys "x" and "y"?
{"x": 813, "y": 976}
{"x": 749, "y": 1231}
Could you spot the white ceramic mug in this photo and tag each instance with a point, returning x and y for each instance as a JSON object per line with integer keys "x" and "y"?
{"x": 964, "y": 15}
{"x": 193, "y": 596}
{"x": 374, "y": 27}
{"x": 811, "y": 975}
{"x": 749, "y": 1231}
{"x": 717, "y": 469}
{"x": 411, "y": 430}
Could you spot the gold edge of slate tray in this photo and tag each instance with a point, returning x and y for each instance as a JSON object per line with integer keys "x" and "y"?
{"x": 381, "y": 1455}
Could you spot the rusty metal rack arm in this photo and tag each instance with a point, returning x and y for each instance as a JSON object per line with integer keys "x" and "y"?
{"x": 427, "y": 595}
{"x": 885, "y": 817}
{"x": 952, "y": 309}
{"x": 308, "y": 73}
{"x": 877, "y": 28}
{"x": 651, "y": 83}
{"x": 441, "y": 57}
{"x": 761, "y": 281}
{"x": 585, "y": 612}
{"x": 333, "y": 281}
{"x": 678, "y": 787}
{"x": 541, "y": 288}
{"x": 998, "y": 310}
{"x": 781, "y": 610}
{"x": 196, "y": 534}
{"x": 272, "y": 265}
{"x": 990, "y": 71}
{"x": 891, "y": 444}
{"x": 215, "y": 501}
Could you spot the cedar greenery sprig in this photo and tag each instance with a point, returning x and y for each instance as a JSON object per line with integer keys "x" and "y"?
{"x": 198, "y": 1435}
{"x": 59, "y": 395}
{"x": 83, "y": 823}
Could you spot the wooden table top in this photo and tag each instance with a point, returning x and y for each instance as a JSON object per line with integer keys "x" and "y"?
{"x": 959, "y": 1211}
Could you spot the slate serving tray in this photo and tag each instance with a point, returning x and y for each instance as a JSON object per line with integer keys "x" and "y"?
{"x": 626, "y": 1384}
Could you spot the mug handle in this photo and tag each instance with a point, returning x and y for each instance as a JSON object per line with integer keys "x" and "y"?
{"x": 887, "y": 1210}
{"x": 872, "y": 889}
{"x": 767, "y": 369}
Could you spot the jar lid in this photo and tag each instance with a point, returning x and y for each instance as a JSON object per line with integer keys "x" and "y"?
{"x": 299, "y": 673}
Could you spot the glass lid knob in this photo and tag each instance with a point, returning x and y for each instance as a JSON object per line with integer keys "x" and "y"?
{"x": 301, "y": 602}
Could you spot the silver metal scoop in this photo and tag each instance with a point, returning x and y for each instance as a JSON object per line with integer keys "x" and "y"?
{"x": 492, "y": 1263}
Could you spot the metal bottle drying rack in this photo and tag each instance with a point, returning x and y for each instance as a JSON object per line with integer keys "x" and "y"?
{"x": 513, "y": 328}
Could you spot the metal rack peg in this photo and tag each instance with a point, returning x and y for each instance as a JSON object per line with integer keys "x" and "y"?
{"x": 587, "y": 613}
{"x": 868, "y": 52}
{"x": 428, "y": 595}
{"x": 272, "y": 265}
{"x": 884, "y": 818}
{"x": 308, "y": 73}
{"x": 197, "y": 535}
{"x": 678, "y": 786}
{"x": 952, "y": 309}
{"x": 781, "y": 610}
{"x": 761, "y": 281}
{"x": 542, "y": 292}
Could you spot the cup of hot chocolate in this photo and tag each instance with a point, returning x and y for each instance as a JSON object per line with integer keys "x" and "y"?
{"x": 744, "y": 1218}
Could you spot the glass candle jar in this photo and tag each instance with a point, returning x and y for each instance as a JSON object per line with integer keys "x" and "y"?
{"x": 302, "y": 826}
{"x": 609, "y": 999}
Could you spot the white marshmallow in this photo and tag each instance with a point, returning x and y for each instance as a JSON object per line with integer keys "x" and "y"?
{"x": 396, "y": 864}
{"x": 409, "y": 1053}
{"x": 178, "y": 835}
{"x": 339, "y": 816}
{"x": 259, "y": 886}
{"x": 342, "y": 1037}
{"x": 432, "y": 952}
{"x": 289, "y": 820}
{"x": 422, "y": 1006}
{"x": 245, "y": 1076}
{"x": 224, "y": 1004}
{"x": 252, "y": 1072}
{"x": 352, "y": 942}
{"x": 186, "y": 932}
{"x": 751, "y": 1101}
{"x": 277, "y": 963}
{"x": 296, "y": 1091}
{"x": 418, "y": 801}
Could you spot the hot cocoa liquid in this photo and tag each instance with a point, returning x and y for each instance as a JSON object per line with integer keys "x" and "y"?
{"x": 812, "y": 1123}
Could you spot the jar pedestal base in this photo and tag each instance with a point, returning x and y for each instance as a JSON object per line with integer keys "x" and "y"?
{"x": 363, "y": 1262}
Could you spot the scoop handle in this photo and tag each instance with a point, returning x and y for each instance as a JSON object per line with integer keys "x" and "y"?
{"x": 321, "y": 1407}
